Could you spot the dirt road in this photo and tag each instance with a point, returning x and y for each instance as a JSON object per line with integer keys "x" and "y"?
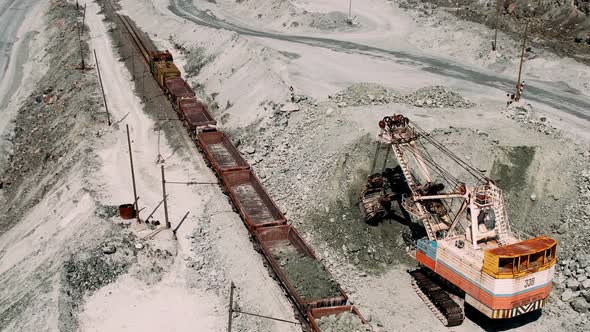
{"x": 564, "y": 99}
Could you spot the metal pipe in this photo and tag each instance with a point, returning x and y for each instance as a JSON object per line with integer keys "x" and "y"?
{"x": 133, "y": 175}
{"x": 442, "y": 196}
{"x": 180, "y": 223}
{"x": 154, "y": 211}
{"x": 457, "y": 218}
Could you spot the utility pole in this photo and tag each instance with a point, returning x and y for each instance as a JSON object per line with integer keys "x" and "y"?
{"x": 495, "y": 43}
{"x": 133, "y": 63}
{"x": 159, "y": 160}
{"x": 517, "y": 95}
{"x": 104, "y": 98}
{"x": 133, "y": 179}
{"x": 164, "y": 195}
{"x": 350, "y": 9}
{"x": 83, "y": 66}
{"x": 231, "y": 306}
{"x": 83, "y": 18}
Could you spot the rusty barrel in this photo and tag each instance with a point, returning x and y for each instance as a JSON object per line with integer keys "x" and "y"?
{"x": 126, "y": 211}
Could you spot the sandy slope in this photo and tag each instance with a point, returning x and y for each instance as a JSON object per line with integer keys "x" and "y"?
{"x": 19, "y": 48}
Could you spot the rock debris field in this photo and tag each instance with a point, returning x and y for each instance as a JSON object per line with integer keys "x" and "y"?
{"x": 362, "y": 94}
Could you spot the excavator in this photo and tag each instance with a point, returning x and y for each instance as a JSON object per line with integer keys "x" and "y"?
{"x": 470, "y": 254}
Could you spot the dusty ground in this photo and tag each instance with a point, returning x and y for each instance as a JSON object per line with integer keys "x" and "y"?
{"x": 313, "y": 161}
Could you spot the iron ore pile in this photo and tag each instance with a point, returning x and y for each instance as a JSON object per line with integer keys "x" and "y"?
{"x": 363, "y": 94}
{"x": 344, "y": 322}
{"x": 307, "y": 275}
{"x": 436, "y": 96}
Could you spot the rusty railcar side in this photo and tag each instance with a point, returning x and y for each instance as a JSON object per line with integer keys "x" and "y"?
{"x": 195, "y": 116}
{"x": 251, "y": 199}
{"x": 221, "y": 153}
{"x": 318, "y": 313}
{"x": 273, "y": 237}
{"x": 178, "y": 90}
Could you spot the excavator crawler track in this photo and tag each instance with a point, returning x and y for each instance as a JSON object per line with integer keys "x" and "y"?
{"x": 449, "y": 312}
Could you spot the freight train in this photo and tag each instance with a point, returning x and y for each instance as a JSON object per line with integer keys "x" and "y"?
{"x": 264, "y": 220}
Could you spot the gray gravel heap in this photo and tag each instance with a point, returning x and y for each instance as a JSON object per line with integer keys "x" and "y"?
{"x": 362, "y": 94}
{"x": 344, "y": 322}
{"x": 436, "y": 96}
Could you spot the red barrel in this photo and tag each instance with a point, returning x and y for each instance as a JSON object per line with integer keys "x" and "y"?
{"x": 126, "y": 211}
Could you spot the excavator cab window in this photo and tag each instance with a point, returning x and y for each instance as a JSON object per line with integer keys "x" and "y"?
{"x": 536, "y": 259}
{"x": 506, "y": 265}
{"x": 549, "y": 254}
{"x": 523, "y": 263}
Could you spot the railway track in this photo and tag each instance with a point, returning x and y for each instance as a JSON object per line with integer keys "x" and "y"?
{"x": 136, "y": 39}
{"x": 258, "y": 211}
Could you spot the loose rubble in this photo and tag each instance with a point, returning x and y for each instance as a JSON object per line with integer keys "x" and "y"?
{"x": 523, "y": 113}
{"x": 437, "y": 96}
{"x": 344, "y": 322}
{"x": 362, "y": 94}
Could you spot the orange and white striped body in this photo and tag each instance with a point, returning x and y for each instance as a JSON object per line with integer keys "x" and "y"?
{"x": 496, "y": 293}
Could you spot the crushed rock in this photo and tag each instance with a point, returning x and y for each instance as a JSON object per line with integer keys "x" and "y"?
{"x": 361, "y": 94}
{"x": 344, "y": 322}
{"x": 436, "y": 96}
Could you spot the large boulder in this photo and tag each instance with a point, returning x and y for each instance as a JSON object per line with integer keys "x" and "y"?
{"x": 567, "y": 295}
{"x": 579, "y": 304}
{"x": 585, "y": 284}
{"x": 582, "y": 37}
{"x": 572, "y": 284}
